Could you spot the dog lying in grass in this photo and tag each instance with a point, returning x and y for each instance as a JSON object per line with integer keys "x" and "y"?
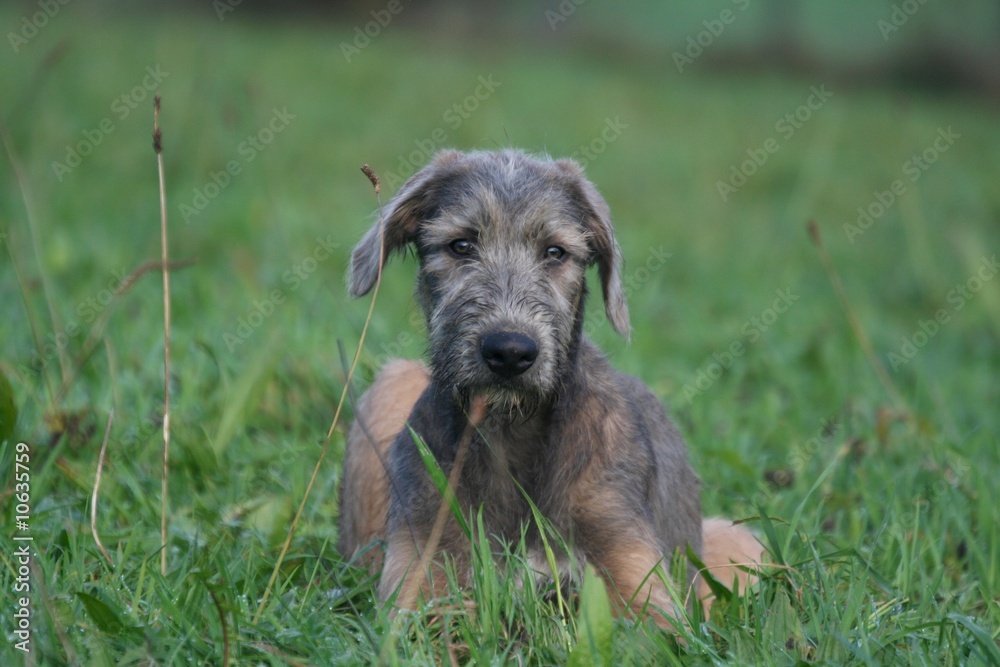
{"x": 517, "y": 407}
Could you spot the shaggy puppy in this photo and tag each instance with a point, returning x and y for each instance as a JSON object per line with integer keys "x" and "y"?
{"x": 504, "y": 241}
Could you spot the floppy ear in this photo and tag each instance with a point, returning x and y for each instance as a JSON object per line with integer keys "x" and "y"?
{"x": 398, "y": 222}
{"x": 606, "y": 252}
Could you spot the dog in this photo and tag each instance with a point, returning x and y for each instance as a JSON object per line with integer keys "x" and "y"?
{"x": 517, "y": 405}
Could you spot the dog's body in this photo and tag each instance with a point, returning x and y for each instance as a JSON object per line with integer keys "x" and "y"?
{"x": 504, "y": 241}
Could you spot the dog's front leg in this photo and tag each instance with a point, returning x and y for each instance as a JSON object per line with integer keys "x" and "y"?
{"x": 633, "y": 571}
{"x": 414, "y": 572}
{"x": 623, "y": 548}
{"x": 406, "y": 575}
{"x": 402, "y": 574}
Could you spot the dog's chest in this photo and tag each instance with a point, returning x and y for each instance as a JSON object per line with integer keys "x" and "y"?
{"x": 511, "y": 471}
{"x": 513, "y": 461}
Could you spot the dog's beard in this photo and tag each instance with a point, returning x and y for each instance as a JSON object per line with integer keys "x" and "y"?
{"x": 511, "y": 402}
{"x": 504, "y": 407}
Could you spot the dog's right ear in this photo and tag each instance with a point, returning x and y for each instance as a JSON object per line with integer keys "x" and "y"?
{"x": 398, "y": 222}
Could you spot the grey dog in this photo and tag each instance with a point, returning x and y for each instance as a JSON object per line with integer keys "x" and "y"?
{"x": 504, "y": 241}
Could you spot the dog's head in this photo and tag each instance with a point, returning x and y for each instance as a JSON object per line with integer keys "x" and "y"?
{"x": 504, "y": 241}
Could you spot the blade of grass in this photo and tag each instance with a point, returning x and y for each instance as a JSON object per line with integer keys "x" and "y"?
{"x": 440, "y": 480}
{"x": 222, "y": 622}
{"x": 550, "y": 555}
{"x": 407, "y": 595}
{"x": 597, "y": 624}
{"x": 238, "y": 399}
{"x": 38, "y": 581}
{"x": 22, "y": 184}
{"x": 986, "y": 643}
{"x": 852, "y": 318}
{"x": 772, "y": 537}
{"x": 794, "y": 523}
{"x": 340, "y": 404}
{"x": 28, "y": 312}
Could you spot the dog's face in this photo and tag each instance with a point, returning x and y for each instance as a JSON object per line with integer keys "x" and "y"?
{"x": 504, "y": 241}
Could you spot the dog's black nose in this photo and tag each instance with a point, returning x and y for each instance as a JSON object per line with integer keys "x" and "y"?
{"x": 508, "y": 354}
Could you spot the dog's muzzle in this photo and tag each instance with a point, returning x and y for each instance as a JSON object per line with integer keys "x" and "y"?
{"x": 508, "y": 354}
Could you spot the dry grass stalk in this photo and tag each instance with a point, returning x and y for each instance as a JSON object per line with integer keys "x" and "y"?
{"x": 97, "y": 487}
{"x": 336, "y": 416}
{"x": 165, "y": 264}
{"x": 408, "y": 596}
{"x": 94, "y": 336}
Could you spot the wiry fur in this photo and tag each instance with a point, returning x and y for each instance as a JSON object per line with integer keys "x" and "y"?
{"x": 592, "y": 448}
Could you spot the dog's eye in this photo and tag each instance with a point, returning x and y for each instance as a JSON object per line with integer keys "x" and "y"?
{"x": 555, "y": 253}
{"x": 460, "y": 247}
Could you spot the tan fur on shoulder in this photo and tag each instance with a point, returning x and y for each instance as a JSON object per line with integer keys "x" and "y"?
{"x": 379, "y": 417}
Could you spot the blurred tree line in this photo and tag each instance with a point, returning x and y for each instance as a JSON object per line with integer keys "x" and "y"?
{"x": 925, "y": 43}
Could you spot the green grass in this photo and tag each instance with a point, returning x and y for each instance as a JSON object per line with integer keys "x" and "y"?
{"x": 882, "y": 513}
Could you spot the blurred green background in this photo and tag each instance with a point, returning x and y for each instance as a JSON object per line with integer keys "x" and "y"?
{"x": 715, "y": 130}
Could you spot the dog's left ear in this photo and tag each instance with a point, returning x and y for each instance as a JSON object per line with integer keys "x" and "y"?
{"x": 399, "y": 219}
{"x": 606, "y": 252}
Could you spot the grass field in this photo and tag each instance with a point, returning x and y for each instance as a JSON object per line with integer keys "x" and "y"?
{"x": 876, "y": 498}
